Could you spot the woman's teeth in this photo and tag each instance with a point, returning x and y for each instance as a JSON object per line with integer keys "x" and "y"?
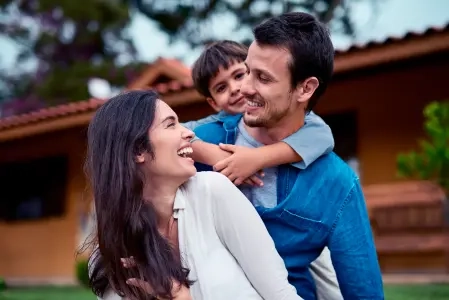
{"x": 254, "y": 104}
{"x": 185, "y": 152}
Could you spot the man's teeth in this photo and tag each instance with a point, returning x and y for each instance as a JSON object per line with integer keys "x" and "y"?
{"x": 255, "y": 104}
{"x": 185, "y": 151}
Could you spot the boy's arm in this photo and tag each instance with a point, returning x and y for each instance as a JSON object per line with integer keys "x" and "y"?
{"x": 206, "y": 153}
{"x": 310, "y": 142}
{"x": 300, "y": 149}
{"x": 210, "y": 154}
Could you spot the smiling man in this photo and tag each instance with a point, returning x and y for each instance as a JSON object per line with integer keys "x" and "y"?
{"x": 305, "y": 210}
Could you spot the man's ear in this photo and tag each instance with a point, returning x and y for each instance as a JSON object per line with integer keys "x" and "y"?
{"x": 306, "y": 89}
{"x": 213, "y": 104}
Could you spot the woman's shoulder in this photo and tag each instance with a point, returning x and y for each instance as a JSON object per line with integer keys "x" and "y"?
{"x": 207, "y": 179}
{"x": 207, "y": 184}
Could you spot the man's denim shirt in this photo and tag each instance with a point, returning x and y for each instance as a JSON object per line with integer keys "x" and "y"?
{"x": 322, "y": 205}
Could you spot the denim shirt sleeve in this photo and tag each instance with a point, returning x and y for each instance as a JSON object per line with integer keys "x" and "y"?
{"x": 192, "y": 125}
{"x": 353, "y": 251}
{"x": 313, "y": 140}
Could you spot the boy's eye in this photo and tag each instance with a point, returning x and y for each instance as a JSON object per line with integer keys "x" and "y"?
{"x": 171, "y": 125}
{"x": 240, "y": 76}
{"x": 220, "y": 89}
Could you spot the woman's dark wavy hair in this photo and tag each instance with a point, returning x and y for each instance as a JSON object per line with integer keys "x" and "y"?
{"x": 126, "y": 225}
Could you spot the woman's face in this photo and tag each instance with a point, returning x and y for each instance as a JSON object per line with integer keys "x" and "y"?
{"x": 171, "y": 146}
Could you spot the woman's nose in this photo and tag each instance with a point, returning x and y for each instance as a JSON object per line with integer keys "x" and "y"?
{"x": 187, "y": 134}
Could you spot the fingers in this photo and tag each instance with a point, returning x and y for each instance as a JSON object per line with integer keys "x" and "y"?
{"x": 256, "y": 180}
{"x": 227, "y": 147}
{"x": 128, "y": 262}
{"x": 221, "y": 165}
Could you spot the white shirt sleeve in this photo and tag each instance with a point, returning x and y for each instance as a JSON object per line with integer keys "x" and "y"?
{"x": 242, "y": 231}
{"x": 323, "y": 272}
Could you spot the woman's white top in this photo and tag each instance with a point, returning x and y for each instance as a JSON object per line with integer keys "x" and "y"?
{"x": 225, "y": 244}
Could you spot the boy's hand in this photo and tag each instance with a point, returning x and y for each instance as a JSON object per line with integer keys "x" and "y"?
{"x": 241, "y": 166}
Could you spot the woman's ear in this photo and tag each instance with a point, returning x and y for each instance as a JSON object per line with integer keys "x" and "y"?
{"x": 140, "y": 158}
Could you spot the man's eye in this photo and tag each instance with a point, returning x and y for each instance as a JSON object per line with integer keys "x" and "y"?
{"x": 263, "y": 78}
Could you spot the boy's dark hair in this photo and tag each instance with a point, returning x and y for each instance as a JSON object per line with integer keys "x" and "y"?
{"x": 217, "y": 54}
{"x": 309, "y": 44}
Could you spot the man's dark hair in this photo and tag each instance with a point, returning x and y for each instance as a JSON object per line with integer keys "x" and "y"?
{"x": 218, "y": 54}
{"x": 309, "y": 44}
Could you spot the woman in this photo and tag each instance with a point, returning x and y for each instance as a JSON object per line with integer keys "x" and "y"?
{"x": 191, "y": 236}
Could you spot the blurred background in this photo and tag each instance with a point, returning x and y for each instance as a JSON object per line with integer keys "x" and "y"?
{"x": 61, "y": 59}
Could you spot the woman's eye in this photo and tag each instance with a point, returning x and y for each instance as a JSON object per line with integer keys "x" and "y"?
{"x": 171, "y": 125}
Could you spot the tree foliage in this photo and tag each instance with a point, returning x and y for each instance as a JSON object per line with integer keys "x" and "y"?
{"x": 432, "y": 160}
{"x": 61, "y": 45}
{"x": 193, "y": 20}
{"x": 64, "y": 43}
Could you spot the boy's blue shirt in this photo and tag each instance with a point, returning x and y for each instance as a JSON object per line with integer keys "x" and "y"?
{"x": 321, "y": 205}
{"x": 313, "y": 140}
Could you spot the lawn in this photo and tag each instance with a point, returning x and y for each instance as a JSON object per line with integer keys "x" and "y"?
{"x": 414, "y": 292}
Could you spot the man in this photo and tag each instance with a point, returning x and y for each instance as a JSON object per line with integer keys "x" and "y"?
{"x": 289, "y": 66}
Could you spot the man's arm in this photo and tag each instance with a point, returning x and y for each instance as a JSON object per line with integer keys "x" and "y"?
{"x": 310, "y": 142}
{"x": 353, "y": 251}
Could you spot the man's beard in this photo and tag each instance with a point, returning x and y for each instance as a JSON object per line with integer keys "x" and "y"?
{"x": 269, "y": 117}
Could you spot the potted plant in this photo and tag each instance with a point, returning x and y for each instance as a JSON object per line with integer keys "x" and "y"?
{"x": 431, "y": 162}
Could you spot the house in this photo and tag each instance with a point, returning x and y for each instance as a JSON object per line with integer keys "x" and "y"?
{"x": 374, "y": 107}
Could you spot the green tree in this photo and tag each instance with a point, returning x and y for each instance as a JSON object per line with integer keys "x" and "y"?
{"x": 192, "y": 21}
{"x": 432, "y": 161}
{"x": 62, "y": 44}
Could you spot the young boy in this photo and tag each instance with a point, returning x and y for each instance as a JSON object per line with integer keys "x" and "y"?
{"x": 217, "y": 75}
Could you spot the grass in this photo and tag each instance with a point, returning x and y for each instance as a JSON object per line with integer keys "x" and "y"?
{"x": 392, "y": 292}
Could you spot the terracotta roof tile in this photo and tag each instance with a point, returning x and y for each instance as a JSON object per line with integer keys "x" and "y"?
{"x": 170, "y": 87}
{"x": 407, "y": 36}
{"x": 51, "y": 112}
{"x": 81, "y": 106}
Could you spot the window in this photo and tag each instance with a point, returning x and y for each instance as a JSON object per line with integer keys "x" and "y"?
{"x": 33, "y": 189}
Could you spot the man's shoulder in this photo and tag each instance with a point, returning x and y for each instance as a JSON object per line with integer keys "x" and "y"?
{"x": 332, "y": 172}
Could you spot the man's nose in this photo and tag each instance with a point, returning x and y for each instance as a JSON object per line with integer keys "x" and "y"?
{"x": 247, "y": 87}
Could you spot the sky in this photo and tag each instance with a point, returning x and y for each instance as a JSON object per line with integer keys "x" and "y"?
{"x": 394, "y": 18}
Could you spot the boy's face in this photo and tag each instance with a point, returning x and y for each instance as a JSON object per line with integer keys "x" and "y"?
{"x": 225, "y": 89}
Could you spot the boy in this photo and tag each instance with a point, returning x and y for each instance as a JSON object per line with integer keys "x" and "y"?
{"x": 217, "y": 75}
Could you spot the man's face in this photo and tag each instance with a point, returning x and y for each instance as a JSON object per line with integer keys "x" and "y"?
{"x": 225, "y": 89}
{"x": 267, "y": 89}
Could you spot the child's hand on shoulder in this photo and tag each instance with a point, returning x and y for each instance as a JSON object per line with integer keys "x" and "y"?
{"x": 243, "y": 166}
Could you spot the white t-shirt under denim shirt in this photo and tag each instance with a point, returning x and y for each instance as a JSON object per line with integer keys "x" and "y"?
{"x": 228, "y": 251}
